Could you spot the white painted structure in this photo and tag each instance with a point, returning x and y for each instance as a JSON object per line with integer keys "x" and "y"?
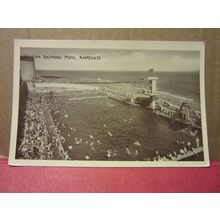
{"x": 152, "y": 84}
{"x": 62, "y": 87}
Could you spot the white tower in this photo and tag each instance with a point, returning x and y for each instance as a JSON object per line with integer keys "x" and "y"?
{"x": 152, "y": 81}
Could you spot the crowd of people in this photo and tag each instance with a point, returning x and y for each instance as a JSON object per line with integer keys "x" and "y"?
{"x": 58, "y": 140}
{"x": 34, "y": 143}
{"x": 184, "y": 149}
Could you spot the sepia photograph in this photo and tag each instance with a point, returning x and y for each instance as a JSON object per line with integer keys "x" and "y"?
{"x": 108, "y": 104}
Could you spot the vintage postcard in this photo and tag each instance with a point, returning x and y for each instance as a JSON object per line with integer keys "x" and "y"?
{"x": 108, "y": 104}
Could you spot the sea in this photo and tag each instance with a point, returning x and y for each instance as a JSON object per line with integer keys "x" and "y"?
{"x": 92, "y": 127}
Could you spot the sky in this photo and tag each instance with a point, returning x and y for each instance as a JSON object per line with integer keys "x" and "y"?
{"x": 115, "y": 60}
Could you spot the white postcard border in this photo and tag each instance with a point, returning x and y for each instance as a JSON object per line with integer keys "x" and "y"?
{"x": 106, "y": 44}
